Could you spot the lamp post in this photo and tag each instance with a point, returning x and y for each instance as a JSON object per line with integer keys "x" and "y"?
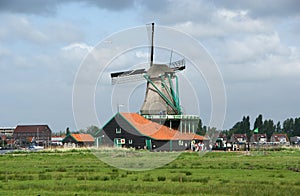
{"x": 97, "y": 140}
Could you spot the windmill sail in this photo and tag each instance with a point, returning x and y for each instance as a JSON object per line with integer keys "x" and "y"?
{"x": 178, "y": 65}
{"x": 151, "y": 40}
{"x": 127, "y": 76}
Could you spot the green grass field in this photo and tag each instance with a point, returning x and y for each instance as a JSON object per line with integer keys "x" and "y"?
{"x": 216, "y": 173}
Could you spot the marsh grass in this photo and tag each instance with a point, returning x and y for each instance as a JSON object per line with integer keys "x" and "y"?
{"x": 217, "y": 173}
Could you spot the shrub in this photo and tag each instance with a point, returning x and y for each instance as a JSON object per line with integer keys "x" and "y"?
{"x": 203, "y": 180}
{"x": 61, "y": 169}
{"x": 148, "y": 178}
{"x": 161, "y": 178}
{"x": 80, "y": 177}
{"x": 223, "y": 181}
{"x": 104, "y": 178}
{"x": 280, "y": 176}
{"x": 114, "y": 175}
{"x": 59, "y": 177}
{"x": 45, "y": 177}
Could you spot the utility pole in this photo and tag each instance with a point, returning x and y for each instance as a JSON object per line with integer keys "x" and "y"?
{"x": 118, "y": 107}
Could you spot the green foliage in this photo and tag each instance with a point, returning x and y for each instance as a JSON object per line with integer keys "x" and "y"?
{"x": 92, "y": 130}
{"x": 258, "y": 122}
{"x": 161, "y": 178}
{"x": 241, "y": 127}
{"x": 268, "y": 128}
{"x": 148, "y": 178}
{"x": 290, "y": 126}
{"x": 201, "y": 130}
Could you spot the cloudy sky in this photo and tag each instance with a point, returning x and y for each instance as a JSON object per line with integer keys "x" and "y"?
{"x": 255, "y": 44}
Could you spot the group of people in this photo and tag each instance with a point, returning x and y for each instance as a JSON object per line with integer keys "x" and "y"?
{"x": 197, "y": 146}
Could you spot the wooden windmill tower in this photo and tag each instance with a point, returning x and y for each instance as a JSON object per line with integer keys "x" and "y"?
{"x": 161, "y": 102}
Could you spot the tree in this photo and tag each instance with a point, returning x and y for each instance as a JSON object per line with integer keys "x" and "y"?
{"x": 288, "y": 126}
{"x": 68, "y": 131}
{"x": 268, "y": 128}
{"x": 258, "y": 123}
{"x": 92, "y": 130}
{"x": 278, "y": 127}
{"x": 241, "y": 127}
{"x": 201, "y": 130}
{"x": 246, "y": 127}
{"x": 296, "y": 127}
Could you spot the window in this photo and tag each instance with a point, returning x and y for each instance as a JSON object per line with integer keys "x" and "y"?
{"x": 118, "y": 130}
{"x": 180, "y": 143}
{"x": 129, "y": 141}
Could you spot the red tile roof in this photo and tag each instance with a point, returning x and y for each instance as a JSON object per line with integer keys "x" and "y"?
{"x": 278, "y": 137}
{"x": 82, "y": 137}
{"x": 31, "y": 128}
{"x": 157, "y": 131}
{"x": 238, "y": 135}
{"x": 256, "y": 137}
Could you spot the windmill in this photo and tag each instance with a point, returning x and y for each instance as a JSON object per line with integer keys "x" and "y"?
{"x": 161, "y": 103}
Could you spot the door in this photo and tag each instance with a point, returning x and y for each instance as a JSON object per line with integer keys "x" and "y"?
{"x": 148, "y": 144}
{"x": 117, "y": 142}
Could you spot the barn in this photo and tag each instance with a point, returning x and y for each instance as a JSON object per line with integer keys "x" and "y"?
{"x": 24, "y": 135}
{"x": 78, "y": 140}
{"x": 131, "y": 130}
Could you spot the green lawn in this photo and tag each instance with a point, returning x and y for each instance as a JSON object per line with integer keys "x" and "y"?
{"x": 215, "y": 173}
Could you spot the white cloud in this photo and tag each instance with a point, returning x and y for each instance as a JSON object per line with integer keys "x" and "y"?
{"x": 78, "y": 46}
{"x": 229, "y": 14}
{"x": 140, "y": 54}
{"x": 18, "y": 28}
{"x": 15, "y": 27}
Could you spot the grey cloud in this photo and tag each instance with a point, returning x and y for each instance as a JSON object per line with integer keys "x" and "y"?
{"x": 266, "y": 8}
{"x": 184, "y": 9}
{"x": 156, "y": 5}
{"x": 49, "y": 7}
{"x": 111, "y": 5}
{"x": 29, "y": 6}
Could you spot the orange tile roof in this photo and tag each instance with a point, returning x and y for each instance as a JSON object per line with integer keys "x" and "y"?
{"x": 157, "y": 131}
{"x": 82, "y": 137}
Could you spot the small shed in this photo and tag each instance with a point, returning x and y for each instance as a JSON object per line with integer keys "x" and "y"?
{"x": 79, "y": 140}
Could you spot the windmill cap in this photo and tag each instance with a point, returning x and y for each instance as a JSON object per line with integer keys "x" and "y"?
{"x": 157, "y": 70}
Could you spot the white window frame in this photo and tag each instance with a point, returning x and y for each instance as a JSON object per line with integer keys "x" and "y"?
{"x": 118, "y": 130}
{"x": 180, "y": 142}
